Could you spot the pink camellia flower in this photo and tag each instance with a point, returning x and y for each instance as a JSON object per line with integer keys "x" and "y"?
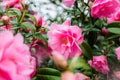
{"x": 68, "y": 3}
{"x": 18, "y": 6}
{"x": 16, "y": 62}
{"x": 99, "y": 63}
{"x": 65, "y": 39}
{"x": 10, "y": 3}
{"x": 114, "y": 18}
{"x": 117, "y": 51}
{"x": 104, "y": 8}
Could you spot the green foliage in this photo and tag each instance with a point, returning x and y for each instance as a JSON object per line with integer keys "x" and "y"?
{"x": 86, "y": 49}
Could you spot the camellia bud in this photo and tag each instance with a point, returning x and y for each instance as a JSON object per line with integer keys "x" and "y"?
{"x": 104, "y": 31}
{"x": 5, "y": 20}
{"x": 67, "y": 75}
{"x": 90, "y": 3}
{"x": 59, "y": 61}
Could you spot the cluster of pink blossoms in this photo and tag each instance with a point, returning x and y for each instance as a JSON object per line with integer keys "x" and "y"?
{"x": 109, "y": 9}
{"x": 16, "y": 62}
{"x": 63, "y": 39}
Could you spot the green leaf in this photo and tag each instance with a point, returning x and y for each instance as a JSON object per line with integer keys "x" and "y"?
{"x": 114, "y": 24}
{"x": 82, "y": 63}
{"x": 113, "y": 36}
{"x": 92, "y": 38}
{"x": 27, "y": 25}
{"x": 16, "y": 11}
{"x": 39, "y": 36}
{"x": 2, "y": 9}
{"x": 48, "y": 71}
{"x": 11, "y": 14}
{"x": 32, "y": 17}
{"x": 114, "y": 30}
{"x": 47, "y": 77}
{"x": 86, "y": 49}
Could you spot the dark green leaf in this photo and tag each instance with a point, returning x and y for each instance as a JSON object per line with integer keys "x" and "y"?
{"x": 87, "y": 51}
{"x": 47, "y": 77}
{"x": 114, "y": 24}
{"x": 39, "y": 36}
{"x": 48, "y": 71}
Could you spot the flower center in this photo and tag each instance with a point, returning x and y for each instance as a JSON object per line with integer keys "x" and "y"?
{"x": 64, "y": 41}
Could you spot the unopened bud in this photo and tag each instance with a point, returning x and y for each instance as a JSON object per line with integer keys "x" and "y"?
{"x": 5, "y": 19}
{"x": 67, "y": 75}
{"x": 59, "y": 61}
{"x": 104, "y": 31}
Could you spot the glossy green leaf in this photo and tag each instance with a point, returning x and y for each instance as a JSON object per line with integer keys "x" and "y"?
{"x": 32, "y": 17}
{"x": 47, "y": 77}
{"x": 16, "y": 11}
{"x": 39, "y": 36}
{"x": 114, "y": 30}
{"x": 48, "y": 71}
{"x": 86, "y": 49}
{"x": 114, "y": 24}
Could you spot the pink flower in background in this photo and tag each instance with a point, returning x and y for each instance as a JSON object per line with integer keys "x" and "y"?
{"x": 117, "y": 51}
{"x": 16, "y": 62}
{"x": 68, "y": 3}
{"x": 18, "y": 6}
{"x": 99, "y": 63}
{"x": 10, "y": 3}
{"x": 65, "y": 39}
{"x": 104, "y": 8}
{"x": 114, "y": 18}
